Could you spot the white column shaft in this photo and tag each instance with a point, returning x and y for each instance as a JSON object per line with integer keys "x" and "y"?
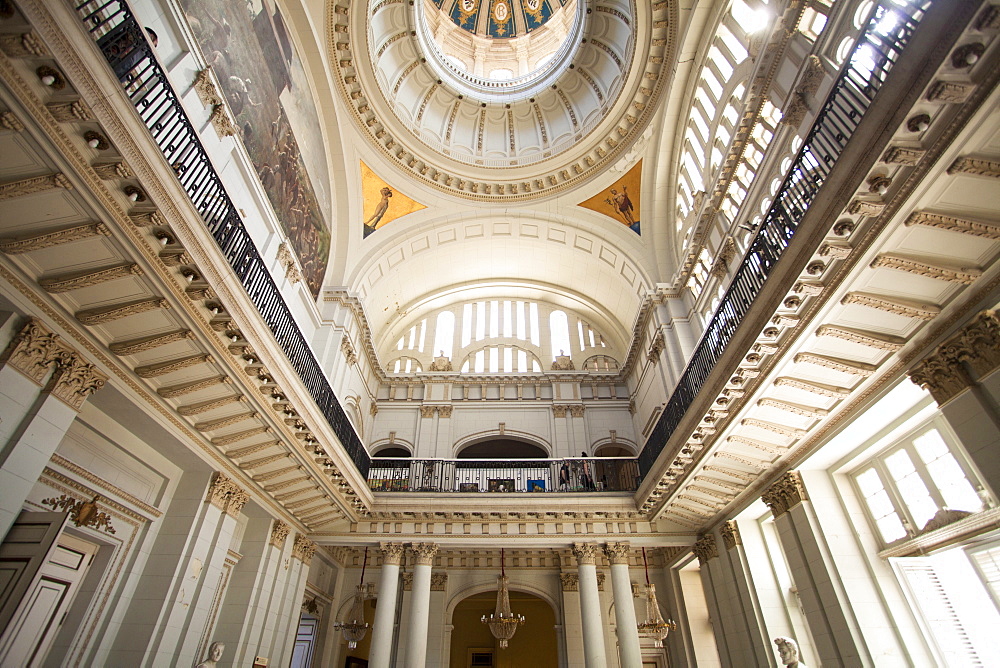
{"x": 590, "y": 609}
{"x": 628, "y": 632}
{"x": 385, "y": 617}
{"x": 420, "y": 607}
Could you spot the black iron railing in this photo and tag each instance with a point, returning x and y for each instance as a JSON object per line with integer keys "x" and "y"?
{"x": 123, "y": 43}
{"x": 598, "y": 474}
{"x": 889, "y": 28}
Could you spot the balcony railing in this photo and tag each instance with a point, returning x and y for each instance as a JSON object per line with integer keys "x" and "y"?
{"x": 600, "y": 474}
{"x": 889, "y": 28}
{"x": 123, "y": 43}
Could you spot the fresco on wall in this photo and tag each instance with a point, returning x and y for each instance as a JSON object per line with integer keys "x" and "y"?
{"x": 247, "y": 45}
{"x": 382, "y": 203}
{"x": 621, "y": 200}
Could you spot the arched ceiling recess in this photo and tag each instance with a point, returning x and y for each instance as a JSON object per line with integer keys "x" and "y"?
{"x": 412, "y": 271}
{"x": 602, "y": 99}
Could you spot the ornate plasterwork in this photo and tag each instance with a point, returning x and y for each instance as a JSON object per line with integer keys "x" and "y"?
{"x": 973, "y": 227}
{"x": 99, "y": 316}
{"x": 303, "y": 549}
{"x": 919, "y": 311}
{"x": 618, "y": 553}
{"x": 49, "y": 239}
{"x": 291, "y": 266}
{"x": 226, "y": 495}
{"x": 392, "y": 553}
{"x": 798, "y": 103}
{"x": 569, "y": 581}
{"x": 75, "y": 380}
{"x": 110, "y": 171}
{"x": 976, "y": 167}
{"x": 82, "y": 513}
{"x": 279, "y": 532}
{"x": 705, "y": 548}
{"x": 439, "y": 581}
{"x": 844, "y": 366}
{"x": 371, "y": 109}
{"x": 964, "y": 276}
{"x": 854, "y": 336}
{"x": 586, "y": 553}
{"x": 424, "y": 553}
{"x": 814, "y": 388}
{"x": 77, "y": 280}
{"x": 163, "y": 368}
{"x": 11, "y": 122}
{"x": 787, "y": 492}
{"x": 900, "y": 155}
{"x": 730, "y": 534}
{"x": 33, "y": 185}
{"x": 70, "y": 112}
{"x": 964, "y": 358}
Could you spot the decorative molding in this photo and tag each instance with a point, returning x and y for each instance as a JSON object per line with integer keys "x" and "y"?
{"x": 427, "y": 411}
{"x": 920, "y": 311}
{"x": 23, "y": 45}
{"x": 82, "y": 513}
{"x": 240, "y": 436}
{"x": 424, "y": 553}
{"x": 863, "y": 208}
{"x": 441, "y": 364}
{"x": 33, "y": 351}
{"x": 109, "y": 171}
{"x": 236, "y": 453}
{"x": 964, "y": 276}
{"x": 163, "y": 368}
{"x": 559, "y": 410}
{"x": 961, "y": 360}
{"x": 292, "y": 272}
{"x": 222, "y": 120}
{"x": 776, "y": 428}
{"x": 705, "y": 548}
{"x": 99, "y": 316}
{"x": 787, "y": 492}
{"x": 976, "y": 167}
{"x": 814, "y": 388}
{"x": 226, "y": 495}
{"x": 855, "y": 368}
{"x": 279, "y": 532}
{"x": 950, "y": 91}
{"x": 347, "y": 348}
{"x": 74, "y": 380}
{"x": 147, "y": 219}
{"x": 49, "y": 239}
{"x": 204, "y": 86}
{"x": 70, "y": 112}
{"x": 34, "y": 185}
{"x": 439, "y": 581}
{"x": 445, "y": 411}
{"x": 854, "y": 336}
{"x": 769, "y": 448}
{"x": 618, "y": 553}
{"x": 10, "y": 121}
{"x": 212, "y": 425}
{"x": 585, "y": 553}
{"x": 205, "y": 406}
{"x": 730, "y": 534}
{"x": 86, "y": 279}
{"x": 952, "y": 224}
{"x": 656, "y": 347}
{"x": 407, "y": 578}
{"x": 569, "y": 581}
{"x": 900, "y": 155}
{"x": 576, "y": 410}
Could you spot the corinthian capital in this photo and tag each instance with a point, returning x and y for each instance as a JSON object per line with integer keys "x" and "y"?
{"x": 392, "y": 553}
{"x": 787, "y": 492}
{"x": 617, "y": 553}
{"x": 585, "y": 553}
{"x": 424, "y": 552}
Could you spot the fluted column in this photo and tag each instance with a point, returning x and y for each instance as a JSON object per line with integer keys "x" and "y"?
{"x": 626, "y": 627}
{"x": 385, "y": 611}
{"x": 590, "y": 605}
{"x": 420, "y": 604}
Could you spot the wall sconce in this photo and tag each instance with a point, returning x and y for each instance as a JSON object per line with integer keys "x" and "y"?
{"x": 50, "y": 77}
{"x": 134, "y": 194}
{"x": 918, "y": 123}
{"x": 96, "y": 140}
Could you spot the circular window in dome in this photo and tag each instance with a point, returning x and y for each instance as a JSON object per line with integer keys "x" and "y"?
{"x": 499, "y": 49}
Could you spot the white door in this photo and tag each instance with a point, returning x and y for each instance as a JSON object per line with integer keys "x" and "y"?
{"x": 28, "y": 637}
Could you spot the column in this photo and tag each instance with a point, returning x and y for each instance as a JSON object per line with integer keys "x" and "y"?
{"x": 743, "y": 617}
{"x": 420, "y": 604}
{"x": 590, "y": 605}
{"x": 39, "y": 408}
{"x": 707, "y": 551}
{"x": 835, "y": 629}
{"x": 960, "y": 376}
{"x": 303, "y": 551}
{"x": 621, "y": 585}
{"x": 385, "y": 611}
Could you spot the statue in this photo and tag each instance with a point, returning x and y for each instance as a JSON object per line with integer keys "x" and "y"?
{"x": 788, "y": 652}
{"x": 214, "y": 654}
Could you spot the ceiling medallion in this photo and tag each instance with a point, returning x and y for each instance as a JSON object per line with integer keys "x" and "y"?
{"x": 493, "y": 150}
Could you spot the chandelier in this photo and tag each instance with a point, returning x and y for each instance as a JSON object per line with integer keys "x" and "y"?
{"x": 355, "y": 629}
{"x": 503, "y": 623}
{"x": 654, "y": 627}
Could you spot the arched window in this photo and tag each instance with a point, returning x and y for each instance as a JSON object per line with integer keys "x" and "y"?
{"x": 559, "y": 333}
{"x": 444, "y": 334}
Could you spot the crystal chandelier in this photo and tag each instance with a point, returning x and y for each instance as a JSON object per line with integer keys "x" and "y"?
{"x": 503, "y": 623}
{"x": 654, "y": 627}
{"x": 355, "y": 629}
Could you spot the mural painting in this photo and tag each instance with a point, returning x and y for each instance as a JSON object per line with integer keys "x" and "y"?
{"x": 621, "y": 200}
{"x": 382, "y": 203}
{"x": 248, "y": 47}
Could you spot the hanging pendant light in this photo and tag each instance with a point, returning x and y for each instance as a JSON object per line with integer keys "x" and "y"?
{"x": 356, "y": 629}
{"x": 503, "y": 623}
{"x": 654, "y": 627}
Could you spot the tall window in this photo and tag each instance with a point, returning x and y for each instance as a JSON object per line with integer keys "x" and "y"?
{"x": 905, "y": 486}
{"x": 444, "y": 335}
{"x": 559, "y": 331}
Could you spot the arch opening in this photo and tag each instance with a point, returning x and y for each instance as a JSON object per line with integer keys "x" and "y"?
{"x": 534, "y": 644}
{"x": 502, "y": 448}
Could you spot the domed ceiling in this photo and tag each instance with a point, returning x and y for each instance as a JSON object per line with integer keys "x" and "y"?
{"x": 436, "y": 112}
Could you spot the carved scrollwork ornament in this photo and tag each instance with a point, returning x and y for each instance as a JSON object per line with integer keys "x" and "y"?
{"x": 705, "y": 548}
{"x": 585, "y": 553}
{"x": 787, "y": 492}
{"x": 82, "y": 513}
{"x": 618, "y": 553}
{"x": 392, "y": 553}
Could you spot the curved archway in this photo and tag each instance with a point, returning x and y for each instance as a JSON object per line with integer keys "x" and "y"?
{"x": 502, "y": 448}
{"x": 534, "y": 644}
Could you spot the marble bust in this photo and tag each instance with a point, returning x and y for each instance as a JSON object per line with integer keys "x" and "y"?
{"x": 214, "y": 654}
{"x": 788, "y": 652}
